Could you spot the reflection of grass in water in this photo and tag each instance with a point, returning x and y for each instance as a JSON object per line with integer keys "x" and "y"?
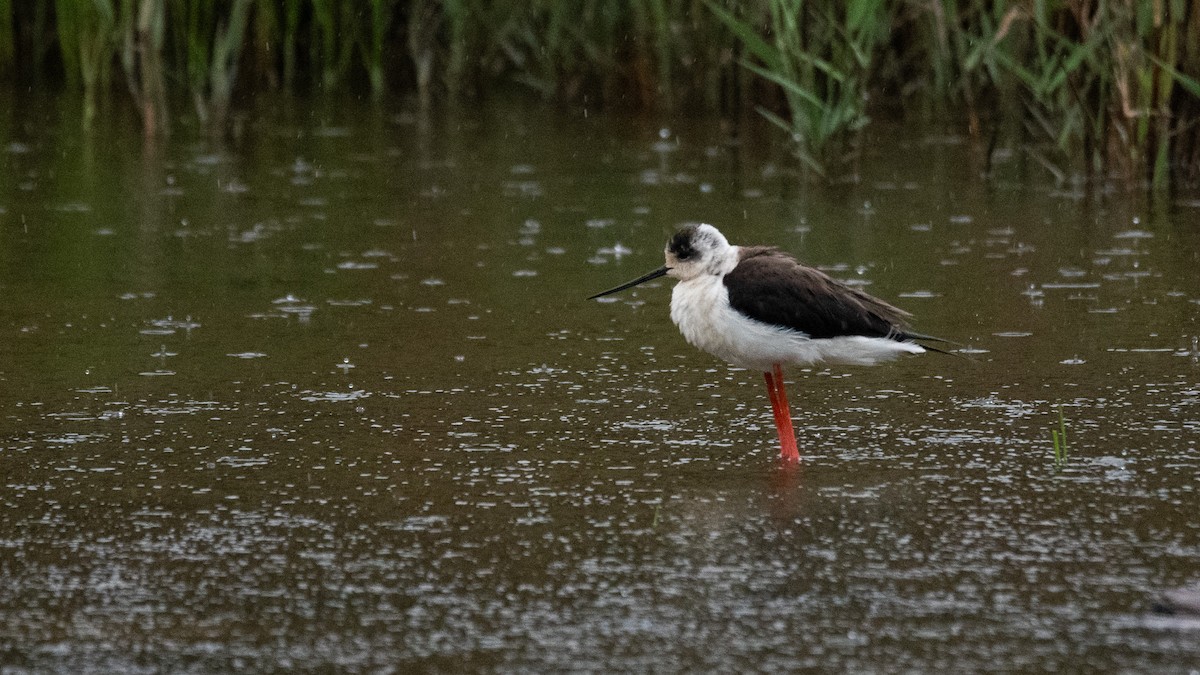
{"x": 1059, "y": 436}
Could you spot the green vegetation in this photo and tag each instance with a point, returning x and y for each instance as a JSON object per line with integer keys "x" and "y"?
{"x": 820, "y": 55}
{"x": 1059, "y": 436}
{"x": 1095, "y": 87}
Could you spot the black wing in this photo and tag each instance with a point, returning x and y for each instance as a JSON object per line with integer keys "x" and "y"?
{"x": 771, "y": 286}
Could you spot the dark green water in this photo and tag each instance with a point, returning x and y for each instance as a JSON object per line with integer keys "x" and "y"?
{"x": 329, "y": 398}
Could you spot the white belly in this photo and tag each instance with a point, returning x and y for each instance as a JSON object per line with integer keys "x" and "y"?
{"x": 700, "y": 307}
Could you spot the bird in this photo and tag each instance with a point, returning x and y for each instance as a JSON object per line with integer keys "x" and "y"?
{"x": 759, "y": 308}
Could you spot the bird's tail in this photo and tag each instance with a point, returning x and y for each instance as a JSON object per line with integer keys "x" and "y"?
{"x": 922, "y": 338}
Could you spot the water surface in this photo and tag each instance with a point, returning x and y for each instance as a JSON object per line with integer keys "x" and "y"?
{"x": 329, "y": 396}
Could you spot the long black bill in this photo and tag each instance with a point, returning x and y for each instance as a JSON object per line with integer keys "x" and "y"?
{"x": 640, "y": 280}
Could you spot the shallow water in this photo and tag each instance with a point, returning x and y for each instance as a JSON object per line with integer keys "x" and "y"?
{"x": 330, "y": 396}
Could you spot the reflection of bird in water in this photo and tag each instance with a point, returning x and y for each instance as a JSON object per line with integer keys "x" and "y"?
{"x": 757, "y": 307}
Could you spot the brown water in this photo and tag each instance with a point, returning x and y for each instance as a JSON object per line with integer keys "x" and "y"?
{"x": 330, "y": 397}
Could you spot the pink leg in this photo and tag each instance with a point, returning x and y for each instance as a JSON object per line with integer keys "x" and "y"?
{"x": 783, "y": 417}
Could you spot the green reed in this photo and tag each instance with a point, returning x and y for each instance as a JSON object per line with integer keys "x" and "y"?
{"x": 1105, "y": 81}
{"x": 1103, "y": 87}
{"x": 1059, "y": 437}
{"x": 373, "y": 43}
{"x": 954, "y": 45}
{"x": 223, "y": 63}
{"x": 1061, "y": 82}
{"x": 86, "y": 35}
{"x": 7, "y": 36}
{"x": 276, "y": 31}
{"x": 334, "y": 37}
{"x": 820, "y": 55}
{"x": 209, "y": 43}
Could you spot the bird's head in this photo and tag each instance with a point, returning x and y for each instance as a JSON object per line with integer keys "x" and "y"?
{"x": 696, "y": 250}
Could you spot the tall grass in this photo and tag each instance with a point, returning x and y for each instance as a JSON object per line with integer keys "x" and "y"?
{"x": 1095, "y": 87}
{"x": 7, "y": 36}
{"x": 820, "y": 55}
{"x": 374, "y": 44}
{"x": 210, "y": 39}
{"x": 1101, "y": 80}
{"x": 86, "y": 39}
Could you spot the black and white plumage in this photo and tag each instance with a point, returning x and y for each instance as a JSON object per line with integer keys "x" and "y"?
{"x": 758, "y": 307}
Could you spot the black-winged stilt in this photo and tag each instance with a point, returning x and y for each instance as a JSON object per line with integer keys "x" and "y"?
{"x": 757, "y": 307}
